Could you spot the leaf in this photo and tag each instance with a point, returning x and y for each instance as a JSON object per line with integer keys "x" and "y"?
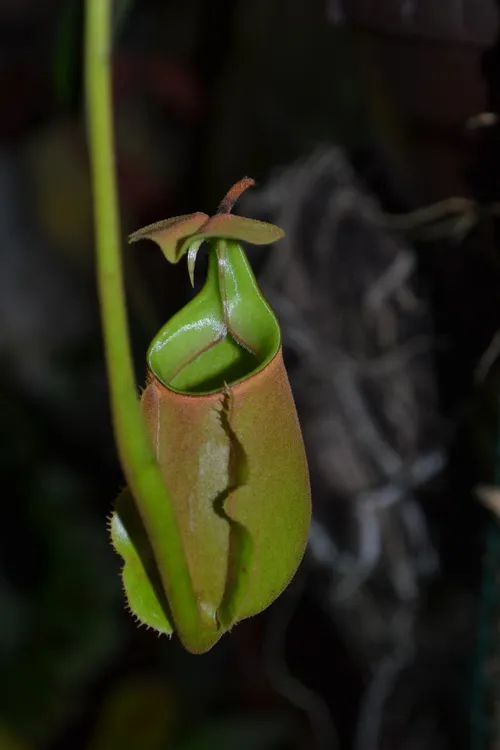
{"x": 184, "y": 234}
{"x": 140, "y": 576}
{"x": 238, "y": 228}
{"x": 171, "y": 233}
{"x": 220, "y": 414}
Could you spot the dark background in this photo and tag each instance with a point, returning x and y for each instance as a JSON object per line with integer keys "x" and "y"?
{"x": 347, "y": 114}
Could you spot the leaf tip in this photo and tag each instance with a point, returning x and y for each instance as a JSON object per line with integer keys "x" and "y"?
{"x": 191, "y": 259}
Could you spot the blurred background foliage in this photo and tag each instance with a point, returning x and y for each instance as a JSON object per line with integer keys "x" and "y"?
{"x": 347, "y": 112}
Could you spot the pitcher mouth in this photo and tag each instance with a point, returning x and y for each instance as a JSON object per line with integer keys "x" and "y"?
{"x": 221, "y": 337}
{"x": 223, "y": 363}
{"x": 239, "y": 382}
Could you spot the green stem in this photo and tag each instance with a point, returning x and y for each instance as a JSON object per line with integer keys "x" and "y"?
{"x": 134, "y": 448}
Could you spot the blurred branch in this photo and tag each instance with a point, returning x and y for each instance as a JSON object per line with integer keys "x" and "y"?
{"x": 453, "y": 217}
